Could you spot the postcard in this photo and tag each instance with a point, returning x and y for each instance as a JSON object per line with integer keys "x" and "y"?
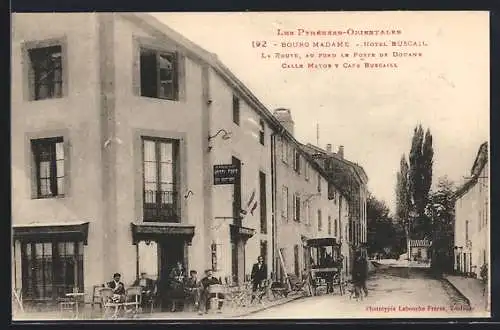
{"x": 253, "y": 165}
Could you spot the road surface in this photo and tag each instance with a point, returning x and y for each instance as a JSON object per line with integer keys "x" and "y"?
{"x": 394, "y": 292}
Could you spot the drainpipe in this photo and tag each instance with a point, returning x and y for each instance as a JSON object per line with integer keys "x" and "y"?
{"x": 274, "y": 235}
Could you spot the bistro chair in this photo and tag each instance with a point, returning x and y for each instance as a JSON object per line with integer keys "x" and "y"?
{"x": 133, "y": 299}
{"x": 109, "y": 306}
{"x": 218, "y": 290}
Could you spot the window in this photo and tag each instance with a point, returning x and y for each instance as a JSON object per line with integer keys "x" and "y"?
{"x": 466, "y": 230}
{"x": 307, "y": 215}
{"x": 329, "y": 225}
{"x": 320, "y": 224}
{"x": 160, "y": 180}
{"x": 46, "y": 72}
{"x": 263, "y": 249}
{"x": 49, "y": 165}
{"x": 159, "y": 74}
{"x": 237, "y": 193}
{"x": 263, "y": 207}
{"x": 335, "y": 226}
{"x": 284, "y": 151}
{"x": 296, "y": 265}
{"x": 296, "y": 164}
{"x": 51, "y": 269}
{"x": 297, "y": 207}
{"x": 319, "y": 182}
{"x": 262, "y": 131}
{"x": 306, "y": 171}
{"x": 284, "y": 203}
{"x": 236, "y": 110}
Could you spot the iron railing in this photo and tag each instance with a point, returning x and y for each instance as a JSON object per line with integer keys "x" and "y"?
{"x": 161, "y": 206}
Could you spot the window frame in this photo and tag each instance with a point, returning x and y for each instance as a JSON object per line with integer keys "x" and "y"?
{"x": 296, "y": 161}
{"x": 28, "y": 72}
{"x": 175, "y": 71}
{"x": 48, "y": 142}
{"x": 297, "y": 208}
{"x": 236, "y": 110}
{"x": 284, "y": 202}
{"x": 320, "y": 220}
{"x": 262, "y": 132}
{"x": 176, "y": 184}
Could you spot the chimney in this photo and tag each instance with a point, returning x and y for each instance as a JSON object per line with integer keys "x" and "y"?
{"x": 329, "y": 148}
{"x": 284, "y": 116}
{"x": 341, "y": 152}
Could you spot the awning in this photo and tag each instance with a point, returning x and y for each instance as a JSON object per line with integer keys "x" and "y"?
{"x": 241, "y": 232}
{"x": 155, "y": 231}
{"x": 67, "y": 231}
{"x": 324, "y": 241}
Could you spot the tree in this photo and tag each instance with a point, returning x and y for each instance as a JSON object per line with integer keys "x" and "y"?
{"x": 403, "y": 199}
{"x": 382, "y": 233}
{"x": 440, "y": 209}
{"x": 420, "y": 179}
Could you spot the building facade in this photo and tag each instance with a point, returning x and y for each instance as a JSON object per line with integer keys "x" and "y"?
{"x": 472, "y": 235}
{"x": 134, "y": 149}
{"x": 305, "y": 206}
{"x": 351, "y": 180}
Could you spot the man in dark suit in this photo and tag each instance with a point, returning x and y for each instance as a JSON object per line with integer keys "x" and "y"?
{"x": 147, "y": 286}
{"x": 205, "y": 296}
{"x": 259, "y": 274}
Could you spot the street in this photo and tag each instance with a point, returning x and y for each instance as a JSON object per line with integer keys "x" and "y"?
{"x": 394, "y": 292}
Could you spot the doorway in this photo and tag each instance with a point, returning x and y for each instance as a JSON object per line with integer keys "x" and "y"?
{"x": 170, "y": 251}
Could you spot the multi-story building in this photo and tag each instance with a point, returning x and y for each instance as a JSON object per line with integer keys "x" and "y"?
{"x": 306, "y": 206}
{"x": 351, "y": 180}
{"x": 116, "y": 127}
{"x": 472, "y": 243}
{"x": 134, "y": 149}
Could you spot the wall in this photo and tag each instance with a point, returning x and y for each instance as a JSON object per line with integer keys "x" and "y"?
{"x": 244, "y": 145}
{"x": 473, "y": 206}
{"x": 137, "y": 116}
{"x": 75, "y": 116}
{"x": 289, "y": 231}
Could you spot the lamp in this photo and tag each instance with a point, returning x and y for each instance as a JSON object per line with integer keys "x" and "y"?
{"x": 226, "y": 136}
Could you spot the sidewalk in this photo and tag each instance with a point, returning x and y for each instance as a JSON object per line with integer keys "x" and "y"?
{"x": 227, "y": 312}
{"x": 471, "y": 289}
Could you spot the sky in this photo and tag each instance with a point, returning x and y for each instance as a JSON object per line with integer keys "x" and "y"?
{"x": 371, "y": 112}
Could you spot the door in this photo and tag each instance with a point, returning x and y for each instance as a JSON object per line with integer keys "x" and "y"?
{"x": 170, "y": 252}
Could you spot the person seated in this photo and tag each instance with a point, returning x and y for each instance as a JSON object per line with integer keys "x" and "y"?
{"x": 192, "y": 288}
{"x": 205, "y": 283}
{"x": 147, "y": 285}
{"x": 118, "y": 288}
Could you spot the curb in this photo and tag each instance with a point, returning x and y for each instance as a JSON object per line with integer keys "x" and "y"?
{"x": 260, "y": 309}
{"x": 457, "y": 290}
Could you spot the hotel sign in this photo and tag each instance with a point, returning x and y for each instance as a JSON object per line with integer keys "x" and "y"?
{"x": 225, "y": 173}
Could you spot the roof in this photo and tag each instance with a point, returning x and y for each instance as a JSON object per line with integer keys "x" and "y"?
{"x": 479, "y": 163}
{"x": 213, "y": 61}
{"x": 360, "y": 172}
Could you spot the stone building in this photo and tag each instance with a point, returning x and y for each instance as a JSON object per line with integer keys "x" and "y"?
{"x": 472, "y": 234}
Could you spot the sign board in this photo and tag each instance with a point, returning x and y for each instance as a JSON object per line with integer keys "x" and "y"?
{"x": 225, "y": 174}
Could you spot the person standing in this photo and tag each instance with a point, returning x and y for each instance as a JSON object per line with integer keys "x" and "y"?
{"x": 360, "y": 273}
{"x": 176, "y": 285}
{"x": 259, "y": 274}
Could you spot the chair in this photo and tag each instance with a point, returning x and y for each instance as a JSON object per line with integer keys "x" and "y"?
{"x": 133, "y": 299}
{"x": 109, "y": 305}
{"x": 67, "y": 304}
{"x": 218, "y": 291}
{"x": 96, "y": 296}
{"x": 154, "y": 298}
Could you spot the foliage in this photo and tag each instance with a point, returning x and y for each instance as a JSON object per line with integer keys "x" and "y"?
{"x": 384, "y": 236}
{"x": 420, "y": 180}
{"x": 403, "y": 198}
{"x": 440, "y": 210}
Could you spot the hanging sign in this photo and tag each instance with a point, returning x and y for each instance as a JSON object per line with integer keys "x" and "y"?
{"x": 225, "y": 173}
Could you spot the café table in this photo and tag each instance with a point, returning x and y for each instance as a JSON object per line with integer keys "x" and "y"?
{"x": 74, "y": 296}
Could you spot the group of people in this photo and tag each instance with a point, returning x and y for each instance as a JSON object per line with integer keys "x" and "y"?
{"x": 360, "y": 274}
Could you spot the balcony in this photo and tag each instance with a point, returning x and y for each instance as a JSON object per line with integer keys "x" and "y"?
{"x": 161, "y": 206}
